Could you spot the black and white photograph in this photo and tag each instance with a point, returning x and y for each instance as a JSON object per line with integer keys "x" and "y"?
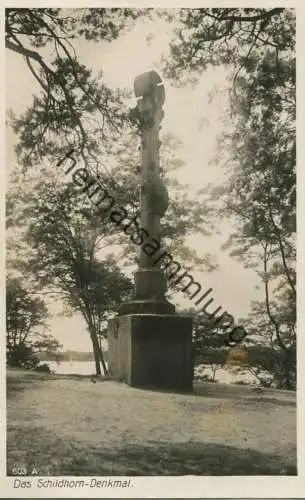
{"x": 150, "y": 230}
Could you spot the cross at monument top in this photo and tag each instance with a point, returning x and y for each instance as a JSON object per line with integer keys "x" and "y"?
{"x": 145, "y": 84}
{"x": 150, "y": 93}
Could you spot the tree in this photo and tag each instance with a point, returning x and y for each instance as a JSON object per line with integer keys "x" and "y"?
{"x": 182, "y": 218}
{"x": 270, "y": 359}
{"x": 229, "y": 36}
{"x": 25, "y": 318}
{"x": 77, "y": 112}
{"x": 259, "y": 196}
{"x": 74, "y": 108}
{"x": 61, "y": 216}
{"x": 65, "y": 237}
{"x": 209, "y": 348}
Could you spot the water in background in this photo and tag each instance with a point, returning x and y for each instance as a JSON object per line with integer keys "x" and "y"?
{"x": 88, "y": 368}
{"x": 73, "y": 367}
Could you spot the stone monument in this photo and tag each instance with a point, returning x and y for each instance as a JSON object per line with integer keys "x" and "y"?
{"x": 149, "y": 345}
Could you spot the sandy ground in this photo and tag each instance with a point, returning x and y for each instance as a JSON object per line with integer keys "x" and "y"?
{"x": 65, "y": 425}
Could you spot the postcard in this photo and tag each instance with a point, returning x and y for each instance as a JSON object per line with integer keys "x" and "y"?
{"x": 149, "y": 264}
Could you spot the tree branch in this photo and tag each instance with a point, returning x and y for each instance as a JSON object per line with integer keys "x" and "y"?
{"x": 20, "y": 49}
{"x": 267, "y": 300}
{"x": 280, "y": 242}
{"x": 258, "y": 17}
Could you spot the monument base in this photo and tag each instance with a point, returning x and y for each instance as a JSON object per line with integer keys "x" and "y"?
{"x": 151, "y": 351}
{"x": 147, "y": 307}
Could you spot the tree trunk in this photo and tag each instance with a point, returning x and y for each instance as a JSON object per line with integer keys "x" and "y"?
{"x": 214, "y": 369}
{"x": 288, "y": 382}
{"x": 103, "y": 361}
{"x": 96, "y": 352}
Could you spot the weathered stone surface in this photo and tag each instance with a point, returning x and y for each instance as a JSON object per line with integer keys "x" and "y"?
{"x": 152, "y": 351}
{"x": 149, "y": 345}
{"x": 150, "y": 284}
{"x": 148, "y": 306}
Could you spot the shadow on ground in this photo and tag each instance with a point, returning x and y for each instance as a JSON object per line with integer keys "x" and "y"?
{"x": 239, "y": 393}
{"x": 59, "y": 456}
{"x": 227, "y": 391}
{"x": 16, "y": 385}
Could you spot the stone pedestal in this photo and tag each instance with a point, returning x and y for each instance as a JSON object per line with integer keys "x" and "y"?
{"x": 149, "y": 298}
{"x": 151, "y": 351}
{"x": 148, "y": 344}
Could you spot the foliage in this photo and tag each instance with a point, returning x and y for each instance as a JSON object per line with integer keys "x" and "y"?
{"x": 25, "y": 317}
{"x": 21, "y": 356}
{"x": 270, "y": 360}
{"x": 182, "y": 218}
{"x": 209, "y": 348}
{"x": 227, "y": 36}
{"x": 25, "y": 313}
{"x": 52, "y": 203}
{"x": 261, "y": 198}
{"x": 78, "y": 112}
{"x": 258, "y": 152}
{"x": 43, "y": 368}
{"x": 74, "y": 108}
{"x": 65, "y": 238}
{"x": 241, "y": 382}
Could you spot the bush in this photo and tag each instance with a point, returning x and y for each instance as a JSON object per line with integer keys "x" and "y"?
{"x": 22, "y": 356}
{"x": 205, "y": 378}
{"x": 43, "y": 368}
{"x": 241, "y": 382}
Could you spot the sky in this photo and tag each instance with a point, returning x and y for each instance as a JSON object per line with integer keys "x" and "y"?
{"x": 189, "y": 115}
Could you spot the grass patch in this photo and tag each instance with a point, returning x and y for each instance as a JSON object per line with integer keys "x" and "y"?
{"x": 65, "y": 425}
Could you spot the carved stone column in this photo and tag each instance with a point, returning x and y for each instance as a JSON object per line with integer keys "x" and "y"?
{"x": 149, "y": 345}
{"x": 150, "y": 282}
